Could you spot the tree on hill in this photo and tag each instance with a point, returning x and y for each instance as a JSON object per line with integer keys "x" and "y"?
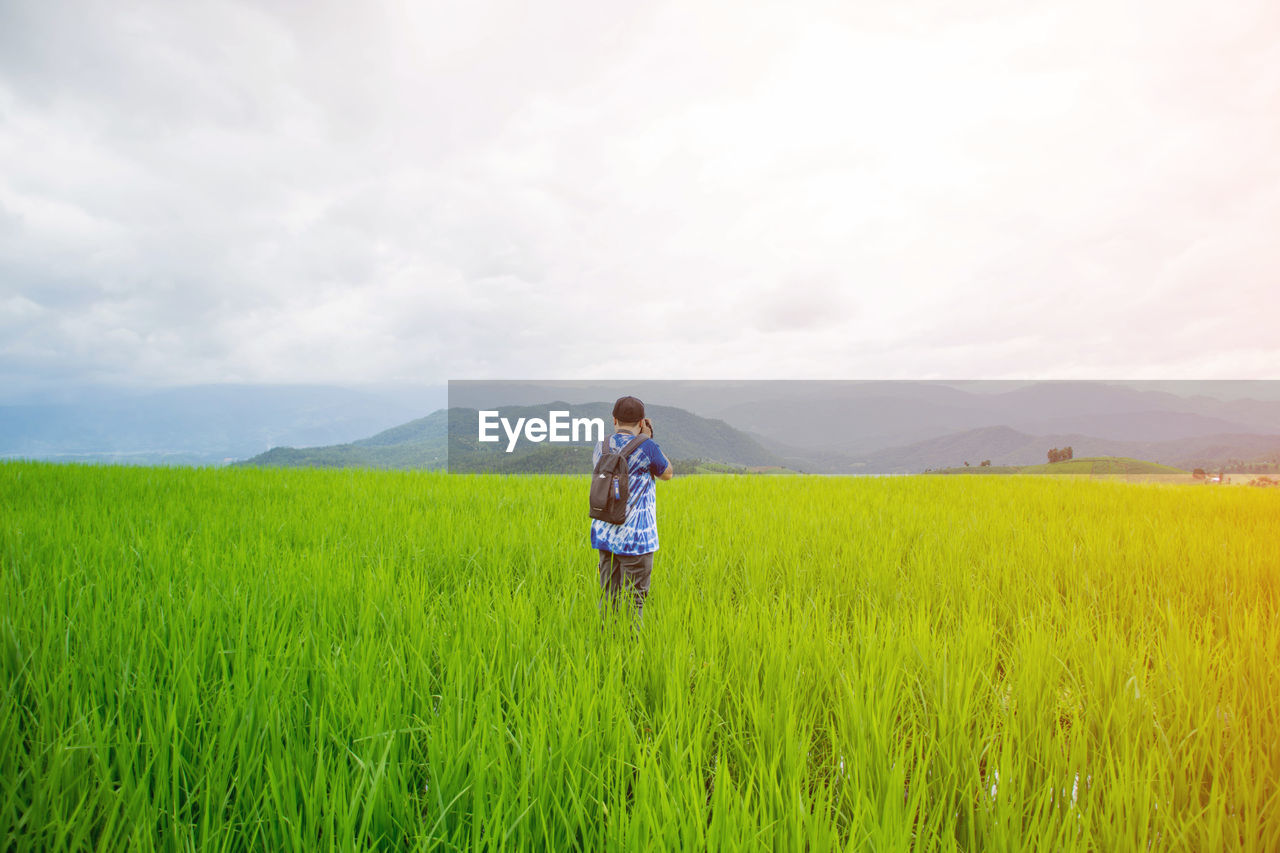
{"x": 985, "y": 463}
{"x": 685, "y": 467}
{"x": 1060, "y": 454}
{"x": 1198, "y": 473}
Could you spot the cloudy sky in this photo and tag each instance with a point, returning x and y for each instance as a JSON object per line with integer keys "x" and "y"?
{"x": 380, "y": 192}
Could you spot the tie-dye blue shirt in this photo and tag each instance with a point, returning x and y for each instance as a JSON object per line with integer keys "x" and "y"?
{"x": 639, "y": 533}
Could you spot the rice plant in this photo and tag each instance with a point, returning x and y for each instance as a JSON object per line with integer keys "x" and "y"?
{"x": 249, "y": 659}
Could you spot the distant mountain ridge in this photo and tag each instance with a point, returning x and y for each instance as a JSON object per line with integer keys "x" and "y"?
{"x": 869, "y": 419}
{"x": 421, "y": 443}
{"x": 1007, "y": 446}
{"x": 843, "y": 426}
{"x": 199, "y": 424}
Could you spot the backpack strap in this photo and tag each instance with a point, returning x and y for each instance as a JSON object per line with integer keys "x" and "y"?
{"x": 632, "y": 445}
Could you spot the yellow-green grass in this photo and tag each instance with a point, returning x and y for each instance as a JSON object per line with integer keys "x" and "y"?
{"x": 294, "y": 659}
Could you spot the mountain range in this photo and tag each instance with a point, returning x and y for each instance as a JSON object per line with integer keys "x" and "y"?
{"x": 871, "y": 427}
{"x": 1007, "y": 446}
{"x": 880, "y": 427}
{"x": 835, "y": 424}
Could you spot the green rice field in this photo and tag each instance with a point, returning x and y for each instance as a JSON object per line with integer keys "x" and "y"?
{"x": 244, "y": 659}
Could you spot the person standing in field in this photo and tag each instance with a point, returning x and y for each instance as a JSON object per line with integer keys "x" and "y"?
{"x": 627, "y": 549}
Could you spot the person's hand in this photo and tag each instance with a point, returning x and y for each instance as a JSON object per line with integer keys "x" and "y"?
{"x": 646, "y": 427}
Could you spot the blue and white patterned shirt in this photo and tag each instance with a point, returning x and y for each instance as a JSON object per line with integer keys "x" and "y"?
{"x": 639, "y": 533}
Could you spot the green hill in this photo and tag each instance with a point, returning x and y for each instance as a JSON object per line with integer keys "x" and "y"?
{"x": 1096, "y": 465}
{"x": 1091, "y": 466}
{"x": 428, "y": 443}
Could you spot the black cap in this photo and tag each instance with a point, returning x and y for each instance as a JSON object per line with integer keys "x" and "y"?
{"x": 628, "y": 410}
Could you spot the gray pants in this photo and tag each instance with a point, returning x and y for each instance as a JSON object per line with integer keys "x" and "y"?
{"x": 625, "y": 570}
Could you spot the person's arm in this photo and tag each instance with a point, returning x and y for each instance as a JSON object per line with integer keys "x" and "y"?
{"x": 659, "y": 467}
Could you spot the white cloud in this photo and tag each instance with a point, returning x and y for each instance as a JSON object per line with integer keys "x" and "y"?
{"x": 328, "y": 192}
